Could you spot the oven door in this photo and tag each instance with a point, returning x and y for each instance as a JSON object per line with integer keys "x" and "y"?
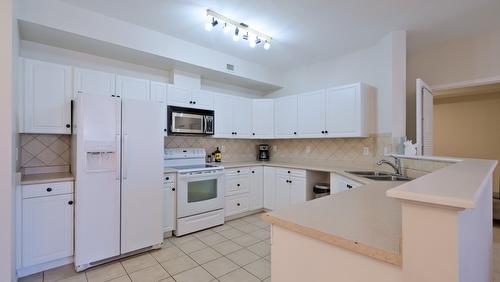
{"x": 187, "y": 123}
{"x": 199, "y": 192}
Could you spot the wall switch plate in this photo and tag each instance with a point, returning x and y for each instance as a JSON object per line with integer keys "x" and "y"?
{"x": 275, "y": 148}
{"x": 308, "y": 149}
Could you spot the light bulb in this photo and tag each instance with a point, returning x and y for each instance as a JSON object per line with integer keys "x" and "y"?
{"x": 267, "y": 45}
{"x": 226, "y": 28}
{"x": 252, "y": 43}
{"x": 252, "y": 40}
{"x": 236, "y": 35}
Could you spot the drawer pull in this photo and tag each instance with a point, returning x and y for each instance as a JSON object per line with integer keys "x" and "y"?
{"x": 238, "y": 171}
{"x": 288, "y": 171}
{"x": 253, "y": 171}
{"x": 173, "y": 189}
{"x": 49, "y": 189}
{"x": 238, "y": 185}
{"x": 238, "y": 204}
{"x": 70, "y": 203}
{"x": 167, "y": 178}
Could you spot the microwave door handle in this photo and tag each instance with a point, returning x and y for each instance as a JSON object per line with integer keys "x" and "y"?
{"x": 205, "y": 124}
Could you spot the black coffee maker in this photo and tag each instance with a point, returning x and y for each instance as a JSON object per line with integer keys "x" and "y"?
{"x": 263, "y": 152}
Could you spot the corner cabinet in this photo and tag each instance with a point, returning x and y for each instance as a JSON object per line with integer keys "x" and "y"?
{"x": 46, "y": 227}
{"x": 46, "y": 106}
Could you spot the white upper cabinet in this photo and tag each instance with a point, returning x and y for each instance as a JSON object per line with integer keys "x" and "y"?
{"x": 158, "y": 92}
{"x": 47, "y": 98}
{"x": 263, "y": 118}
{"x": 311, "y": 114}
{"x": 183, "y": 97}
{"x": 94, "y": 82}
{"x": 242, "y": 117}
{"x": 349, "y": 111}
{"x": 285, "y": 117}
{"x": 132, "y": 88}
{"x": 233, "y": 116}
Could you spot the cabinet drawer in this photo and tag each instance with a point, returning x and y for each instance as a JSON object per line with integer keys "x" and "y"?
{"x": 291, "y": 172}
{"x": 237, "y": 171}
{"x": 236, "y": 204}
{"x": 47, "y": 189}
{"x": 169, "y": 178}
{"x": 237, "y": 185}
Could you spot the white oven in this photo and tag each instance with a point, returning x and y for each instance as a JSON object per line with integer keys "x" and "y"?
{"x": 199, "y": 192}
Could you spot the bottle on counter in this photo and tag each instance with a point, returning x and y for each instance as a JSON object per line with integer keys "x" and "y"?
{"x": 218, "y": 155}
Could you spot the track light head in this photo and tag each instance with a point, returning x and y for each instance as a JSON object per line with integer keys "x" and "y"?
{"x": 267, "y": 45}
{"x": 236, "y": 35}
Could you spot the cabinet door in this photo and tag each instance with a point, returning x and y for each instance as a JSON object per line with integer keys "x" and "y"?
{"x": 343, "y": 112}
{"x": 236, "y": 204}
{"x": 256, "y": 187}
{"x": 311, "y": 114}
{"x": 298, "y": 190}
{"x": 47, "y": 98}
{"x": 47, "y": 229}
{"x": 168, "y": 209}
{"x": 262, "y": 118}
{"x": 132, "y": 88}
{"x": 269, "y": 187}
{"x": 223, "y": 106}
{"x": 203, "y": 99}
{"x": 282, "y": 199}
{"x": 158, "y": 94}
{"x": 94, "y": 82}
{"x": 178, "y": 96}
{"x": 242, "y": 117}
{"x": 285, "y": 116}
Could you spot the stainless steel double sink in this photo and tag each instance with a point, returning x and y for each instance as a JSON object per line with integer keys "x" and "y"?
{"x": 380, "y": 175}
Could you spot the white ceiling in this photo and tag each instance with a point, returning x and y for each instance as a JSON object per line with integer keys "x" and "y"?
{"x": 307, "y": 31}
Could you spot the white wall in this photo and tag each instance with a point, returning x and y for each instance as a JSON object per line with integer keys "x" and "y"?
{"x": 7, "y": 142}
{"x": 381, "y": 66}
{"x": 473, "y": 59}
{"x": 61, "y": 16}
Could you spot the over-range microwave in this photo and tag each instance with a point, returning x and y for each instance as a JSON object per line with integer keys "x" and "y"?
{"x": 188, "y": 121}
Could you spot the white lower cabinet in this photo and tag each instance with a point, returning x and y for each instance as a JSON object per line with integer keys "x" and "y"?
{"x": 256, "y": 187}
{"x": 236, "y": 204}
{"x": 46, "y": 225}
{"x": 243, "y": 189}
{"x": 269, "y": 187}
{"x": 169, "y": 202}
{"x": 291, "y": 187}
{"x": 340, "y": 183}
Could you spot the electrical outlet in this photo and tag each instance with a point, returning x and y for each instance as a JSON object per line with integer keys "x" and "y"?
{"x": 308, "y": 149}
{"x": 387, "y": 150}
{"x": 366, "y": 151}
{"x": 275, "y": 148}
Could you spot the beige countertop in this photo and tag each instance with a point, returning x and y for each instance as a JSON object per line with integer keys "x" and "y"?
{"x": 46, "y": 178}
{"x": 363, "y": 220}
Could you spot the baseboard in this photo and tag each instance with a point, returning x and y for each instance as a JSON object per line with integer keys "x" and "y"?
{"x": 243, "y": 214}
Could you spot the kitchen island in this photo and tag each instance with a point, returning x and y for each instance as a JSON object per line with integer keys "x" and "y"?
{"x": 435, "y": 228}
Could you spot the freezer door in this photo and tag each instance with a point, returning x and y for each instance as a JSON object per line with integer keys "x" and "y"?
{"x": 96, "y": 166}
{"x": 142, "y": 174}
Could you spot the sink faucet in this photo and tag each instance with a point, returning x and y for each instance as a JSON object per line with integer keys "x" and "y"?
{"x": 396, "y": 165}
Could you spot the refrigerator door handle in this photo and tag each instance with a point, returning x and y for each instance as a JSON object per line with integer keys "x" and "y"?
{"x": 125, "y": 157}
{"x": 118, "y": 156}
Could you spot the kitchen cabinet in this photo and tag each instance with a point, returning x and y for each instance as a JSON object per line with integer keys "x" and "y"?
{"x": 285, "y": 117}
{"x": 262, "y": 118}
{"x": 188, "y": 98}
{"x": 233, "y": 116}
{"x": 132, "y": 88}
{"x": 46, "y": 106}
{"x": 169, "y": 202}
{"x": 94, "y": 82}
{"x": 340, "y": 183}
{"x": 46, "y": 223}
{"x": 237, "y": 181}
{"x": 236, "y": 204}
{"x": 311, "y": 114}
{"x": 256, "y": 188}
{"x": 291, "y": 187}
{"x": 269, "y": 187}
{"x": 349, "y": 111}
{"x": 158, "y": 94}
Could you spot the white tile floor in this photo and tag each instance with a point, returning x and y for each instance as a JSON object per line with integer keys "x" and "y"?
{"x": 238, "y": 251}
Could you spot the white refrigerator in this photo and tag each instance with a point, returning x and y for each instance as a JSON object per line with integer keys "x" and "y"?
{"x": 118, "y": 168}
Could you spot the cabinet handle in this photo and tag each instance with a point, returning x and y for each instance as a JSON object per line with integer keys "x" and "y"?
{"x": 323, "y": 132}
{"x": 165, "y": 130}
{"x": 253, "y": 171}
{"x": 238, "y": 204}
{"x": 238, "y": 171}
{"x": 349, "y": 186}
{"x": 167, "y": 178}
{"x": 288, "y": 171}
{"x": 49, "y": 189}
{"x": 290, "y": 181}
{"x": 326, "y": 131}
{"x": 236, "y": 133}
{"x": 70, "y": 203}
{"x": 253, "y": 134}
{"x": 294, "y": 133}
{"x": 68, "y": 125}
{"x": 238, "y": 185}
{"x": 173, "y": 189}
{"x": 113, "y": 96}
{"x": 79, "y": 91}
{"x": 190, "y": 102}
{"x": 194, "y": 102}
{"x": 118, "y": 96}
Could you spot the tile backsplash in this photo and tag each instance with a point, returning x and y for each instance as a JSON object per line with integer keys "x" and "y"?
{"x": 45, "y": 150}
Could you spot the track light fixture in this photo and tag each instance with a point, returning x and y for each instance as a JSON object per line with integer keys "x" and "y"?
{"x": 254, "y": 37}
